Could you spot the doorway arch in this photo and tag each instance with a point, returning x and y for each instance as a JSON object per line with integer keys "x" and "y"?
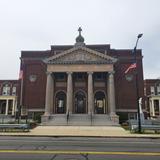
{"x": 60, "y": 102}
{"x": 100, "y": 102}
{"x": 80, "y": 102}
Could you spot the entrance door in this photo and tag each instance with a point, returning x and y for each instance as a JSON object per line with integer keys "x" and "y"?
{"x": 100, "y": 103}
{"x": 80, "y": 102}
{"x": 2, "y": 107}
{"x": 60, "y": 102}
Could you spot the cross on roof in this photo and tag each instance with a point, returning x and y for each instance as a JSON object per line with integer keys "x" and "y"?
{"x": 79, "y": 30}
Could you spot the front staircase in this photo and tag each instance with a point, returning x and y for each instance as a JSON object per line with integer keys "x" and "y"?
{"x": 79, "y": 120}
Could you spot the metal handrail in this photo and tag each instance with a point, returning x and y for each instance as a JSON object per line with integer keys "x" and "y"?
{"x": 67, "y": 116}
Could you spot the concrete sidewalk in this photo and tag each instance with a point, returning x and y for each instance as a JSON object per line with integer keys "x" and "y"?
{"x": 87, "y": 131}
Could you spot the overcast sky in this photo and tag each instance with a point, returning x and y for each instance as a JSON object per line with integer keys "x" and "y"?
{"x": 38, "y": 24}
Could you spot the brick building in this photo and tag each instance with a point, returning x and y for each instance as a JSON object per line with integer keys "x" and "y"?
{"x": 9, "y": 93}
{"x": 152, "y": 97}
{"x": 80, "y": 80}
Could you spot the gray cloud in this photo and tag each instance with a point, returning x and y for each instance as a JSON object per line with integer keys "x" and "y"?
{"x": 35, "y": 25}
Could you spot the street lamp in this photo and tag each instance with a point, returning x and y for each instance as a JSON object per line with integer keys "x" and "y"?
{"x": 136, "y": 83}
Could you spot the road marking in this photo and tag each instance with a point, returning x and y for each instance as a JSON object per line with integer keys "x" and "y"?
{"x": 83, "y": 142}
{"x": 80, "y": 152}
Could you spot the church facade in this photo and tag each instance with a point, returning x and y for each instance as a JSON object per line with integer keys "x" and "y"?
{"x": 79, "y": 80}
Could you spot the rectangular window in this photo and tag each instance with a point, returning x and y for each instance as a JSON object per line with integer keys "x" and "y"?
{"x": 14, "y": 91}
{"x": 158, "y": 90}
{"x": 99, "y": 76}
{"x": 145, "y": 91}
{"x": 60, "y": 76}
{"x": 6, "y": 90}
{"x": 152, "y": 90}
{"x": 79, "y": 76}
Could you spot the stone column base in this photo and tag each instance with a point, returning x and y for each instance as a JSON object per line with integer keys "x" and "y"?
{"x": 44, "y": 118}
{"x": 114, "y": 118}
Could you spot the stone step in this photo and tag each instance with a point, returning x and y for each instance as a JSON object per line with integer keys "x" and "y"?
{"x": 56, "y": 120}
{"x": 80, "y": 120}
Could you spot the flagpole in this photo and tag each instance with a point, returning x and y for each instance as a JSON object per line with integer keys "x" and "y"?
{"x": 136, "y": 84}
{"x": 21, "y": 90}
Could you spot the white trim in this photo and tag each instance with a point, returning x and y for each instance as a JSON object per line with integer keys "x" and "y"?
{"x": 54, "y": 57}
{"x": 128, "y": 110}
{"x": 36, "y": 110}
{"x": 3, "y": 97}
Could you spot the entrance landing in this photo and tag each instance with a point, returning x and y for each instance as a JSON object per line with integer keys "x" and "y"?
{"x": 94, "y": 131}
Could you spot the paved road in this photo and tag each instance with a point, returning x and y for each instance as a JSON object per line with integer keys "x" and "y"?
{"x": 50, "y": 148}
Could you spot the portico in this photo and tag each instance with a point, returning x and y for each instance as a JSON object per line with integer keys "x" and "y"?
{"x": 80, "y": 81}
{"x": 70, "y": 95}
{"x": 109, "y": 91}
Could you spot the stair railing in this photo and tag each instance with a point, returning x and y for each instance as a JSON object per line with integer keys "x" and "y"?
{"x": 67, "y": 116}
{"x": 91, "y": 118}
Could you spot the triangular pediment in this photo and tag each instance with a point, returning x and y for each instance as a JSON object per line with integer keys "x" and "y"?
{"x": 80, "y": 55}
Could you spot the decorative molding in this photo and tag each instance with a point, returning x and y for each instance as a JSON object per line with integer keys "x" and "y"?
{"x": 80, "y": 55}
{"x": 111, "y": 72}
{"x": 61, "y": 84}
{"x": 90, "y": 72}
{"x": 80, "y": 84}
{"x": 48, "y": 73}
{"x": 32, "y": 77}
{"x": 99, "y": 84}
{"x": 128, "y": 110}
{"x": 69, "y": 73}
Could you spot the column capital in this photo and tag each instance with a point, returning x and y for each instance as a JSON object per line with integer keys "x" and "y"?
{"x": 111, "y": 72}
{"x": 90, "y": 72}
{"x": 48, "y": 73}
{"x": 69, "y": 72}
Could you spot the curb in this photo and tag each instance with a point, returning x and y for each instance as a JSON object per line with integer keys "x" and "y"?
{"x": 57, "y": 136}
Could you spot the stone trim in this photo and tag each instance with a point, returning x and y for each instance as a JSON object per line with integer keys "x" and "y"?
{"x": 104, "y": 56}
{"x": 36, "y": 110}
{"x": 128, "y": 110}
{"x": 81, "y": 62}
{"x": 80, "y": 68}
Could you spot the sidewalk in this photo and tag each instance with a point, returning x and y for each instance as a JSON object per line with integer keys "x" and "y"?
{"x": 81, "y": 131}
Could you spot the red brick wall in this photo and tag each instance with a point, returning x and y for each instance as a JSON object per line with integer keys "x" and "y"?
{"x": 126, "y": 90}
{"x": 34, "y": 92}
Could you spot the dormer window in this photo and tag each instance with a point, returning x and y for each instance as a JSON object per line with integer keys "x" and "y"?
{"x": 6, "y": 90}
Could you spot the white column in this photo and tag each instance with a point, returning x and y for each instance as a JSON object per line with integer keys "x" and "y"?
{"x": 150, "y": 108}
{"x": 90, "y": 93}
{"x": 153, "y": 110}
{"x": 69, "y": 93}
{"x": 6, "y": 107}
{"x": 52, "y": 94}
{"x": 13, "y": 107}
{"x": 49, "y": 94}
{"x": 111, "y": 93}
{"x": 159, "y": 107}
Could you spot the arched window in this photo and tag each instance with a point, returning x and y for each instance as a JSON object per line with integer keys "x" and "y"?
{"x": 100, "y": 103}
{"x": 60, "y": 102}
{"x": 6, "y": 90}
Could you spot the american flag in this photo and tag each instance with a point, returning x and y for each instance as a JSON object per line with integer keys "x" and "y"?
{"x": 21, "y": 74}
{"x": 132, "y": 66}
